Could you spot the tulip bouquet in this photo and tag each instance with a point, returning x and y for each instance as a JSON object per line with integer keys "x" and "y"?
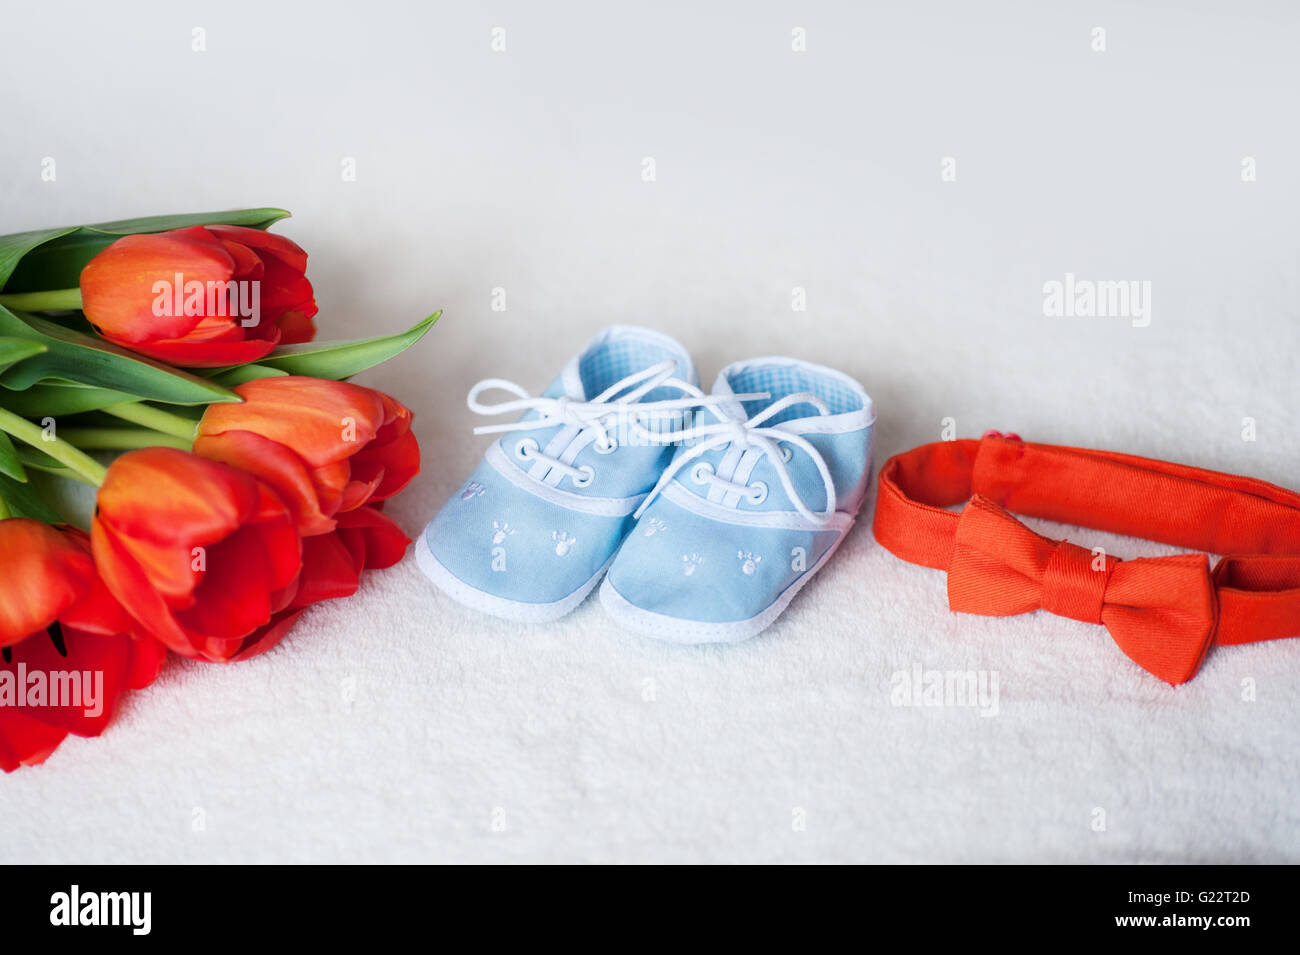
{"x": 249, "y": 478}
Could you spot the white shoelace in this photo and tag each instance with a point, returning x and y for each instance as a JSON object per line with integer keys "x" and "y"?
{"x": 619, "y": 400}
{"x": 746, "y": 434}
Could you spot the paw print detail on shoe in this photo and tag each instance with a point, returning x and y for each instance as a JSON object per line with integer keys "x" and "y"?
{"x": 653, "y": 526}
{"x": 472, "y": 490}
{"x": 563, "y": 543}
{"x": 765, "y": 482}
{"x": 500, "y": 531}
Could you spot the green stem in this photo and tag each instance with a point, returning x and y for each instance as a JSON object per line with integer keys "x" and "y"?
{"x": 122, "y": 439}
{"x": 4, "y": 509}
{"x": 148, "y": 416}
{"x": 55, "y": 300}
{"x": 75, "y": 460}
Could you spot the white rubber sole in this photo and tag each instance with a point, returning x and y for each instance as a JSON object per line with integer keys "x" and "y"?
{"x": 514, "y": 610}
{"x": 693, "y": 632}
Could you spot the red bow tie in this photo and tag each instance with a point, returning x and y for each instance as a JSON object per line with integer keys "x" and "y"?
{"x": 1163, "y": 612}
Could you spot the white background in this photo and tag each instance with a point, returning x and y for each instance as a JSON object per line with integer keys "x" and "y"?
{"x": 397, "y": 726}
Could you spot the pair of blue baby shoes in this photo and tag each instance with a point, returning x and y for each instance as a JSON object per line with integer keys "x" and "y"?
{"x": 705, "y": 514}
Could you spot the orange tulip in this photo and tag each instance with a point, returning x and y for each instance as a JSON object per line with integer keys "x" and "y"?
{"x": 326, "y": 447}
{"x": 201, "y": 554}
{"x": 200, "y": 297}
{"x": 58, "y": 624}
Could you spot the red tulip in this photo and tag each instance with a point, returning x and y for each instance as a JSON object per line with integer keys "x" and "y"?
{"x": 326, "y": 447}
{"x": 200, "y": 297}
{"x": 331, "y": 568}
{"x": 201, "y": 554}
{"x": 68, "y": 652}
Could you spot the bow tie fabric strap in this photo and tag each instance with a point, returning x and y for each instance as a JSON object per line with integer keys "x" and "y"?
{"x": 1163, "y": 612}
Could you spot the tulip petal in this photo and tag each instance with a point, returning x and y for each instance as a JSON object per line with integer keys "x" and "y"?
{"x": 127, "y": 581}
{"x": 271, "y": 243}
{"x": 283, "y": 289}
{"x": 277, "y": 467}
{"x": 244, "y": 574}
{"x": 384, "y": 541}
{"x": 397, "y": 419}
{"x": 25, "y": 741}
{"x": 45, "y": 573}
{"x": 296, "y": 327}
{"x": 129, "y": 290}
{"x": 204, "y": 354}
{"x": 331, "y": 483}
{"x": 147, "y": 659}
{"x": 267, "y": 637}
{"x": 91, "y": 677}
{"x": 395, "y": 463}
{"x": 330, "y": 570}
{"x": 323, "y": 421}
{"x": 96, "y": 611}
{"x": 233, "y": 598}
{"x": 173, "y": 498}
{"x": 356, "y": 493}
{"x": 280, "y": 542}
{"x": 247, "y": 263}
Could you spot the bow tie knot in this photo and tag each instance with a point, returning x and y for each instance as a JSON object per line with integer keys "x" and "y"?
{"x": 1074, "y": 582}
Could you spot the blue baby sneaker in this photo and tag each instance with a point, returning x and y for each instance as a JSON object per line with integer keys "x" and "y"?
{"x": 533, "y": 529}
{"x": 757, "y": 497}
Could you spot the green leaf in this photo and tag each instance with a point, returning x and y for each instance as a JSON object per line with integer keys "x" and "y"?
{"x": 9, "y": 463}
{"x": 54, "y": 258}
{"x": 339, "y": 360}
{"x": 253, "y": 218}
{"x": 14, "y": 350}
{"x": 71, "y": 355}
{"x": 34, "y": 457}
{"x": 57, "y": 399}
{"x": 14, "y": 247}
{"x": 23, "y": 501}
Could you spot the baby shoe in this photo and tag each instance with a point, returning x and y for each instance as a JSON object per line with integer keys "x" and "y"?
{"x": 533, "y": 529}
{"x": 755, "y": 501}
